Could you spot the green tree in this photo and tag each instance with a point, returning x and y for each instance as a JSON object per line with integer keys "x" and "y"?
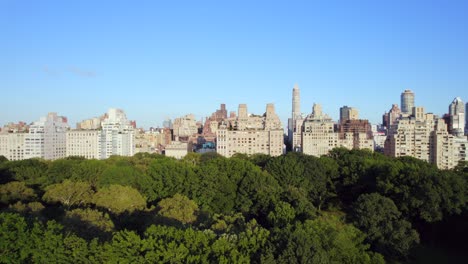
{"x": 89, "y": 171}
{"x": 168, "y": 177}
{"x": 69, "y": 193}
{"x": 30, "y": 171}
{"x": 179, "y": 208}
{"x": 15, "y": 241}
{"x": 16, "y": 191}
{"x": 324, "y": 240}
{"x": 380, "y": 219}
{"x": 119, "y": 199}
{"x": 61, "y": 169}
{"x": 89, "y": 223}
{"x": 282, "y": 215}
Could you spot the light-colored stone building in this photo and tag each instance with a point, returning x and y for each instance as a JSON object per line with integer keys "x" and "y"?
{"x": 177, "y": 149}
{"x": 410, "y": 136}
{"x": 12, "y": 145}
{"x": 89, "y": 124}
{"x": 251, "y": 134}
{"x": 153, "y": 141}
{"x": 84, "y": 143}
{"x": 117, "y": 136}
{"x": 296, "y": 121}
{"x": 47, "y": 138}
{"x": 319, "y": 135}
{"x": 456, "y": 124}
{"x": 185, "y": 126}
{"x": 447, "y": 150}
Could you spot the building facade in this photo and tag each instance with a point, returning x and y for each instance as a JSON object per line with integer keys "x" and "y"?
{"x": 348, "y": 113}
{"x": 117, "y": 136}
{"x": 185, "y": 127}
{"x": 12, "y": 145}
{"x": 407, "y": 102}
{"x": 456, "y": 124}
{"x": 251, "y": 134}
{"x": 296, "y": 121}
{"x": 84, "y": 143}
{"x": 47, "y": 138}
{"x": 177, "y": 149}
{"x": 320, "y": 136}
{"x": 318, "y": 133}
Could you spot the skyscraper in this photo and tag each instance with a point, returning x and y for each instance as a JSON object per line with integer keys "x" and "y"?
{"x": 407, "y": 102}
{"x": 47, "y": 138}
{"x": 296, "y": 102}
{"x": 117, "y": 136}
{"x": 466, "y": 120}
{"x": 348, "y": 113}
{"x": 296, "y": 120}
{"x": 457, "y": 117}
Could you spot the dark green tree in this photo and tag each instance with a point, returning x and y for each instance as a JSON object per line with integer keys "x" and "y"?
{"x": 380, "y": 219}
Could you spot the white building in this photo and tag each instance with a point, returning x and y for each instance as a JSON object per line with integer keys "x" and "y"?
{"x": 12, "y": 145}
{"x": 47, "y": 138}
{"x": 117, "y": 136}
{"x": 177, "y": 149}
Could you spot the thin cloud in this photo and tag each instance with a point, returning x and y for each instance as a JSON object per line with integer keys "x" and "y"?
{"x": 82, "y": 72}
{"x": 47, "y": 70}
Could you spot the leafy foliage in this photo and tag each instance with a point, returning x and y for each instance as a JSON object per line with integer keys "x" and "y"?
{"x": 348, "y": 207}
{"x": 69, "y": 193}
{"x": 119, "y": 199}
{"x": 179, "y": 208}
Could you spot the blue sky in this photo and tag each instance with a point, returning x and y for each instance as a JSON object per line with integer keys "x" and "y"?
{"x": 158, "y": 59}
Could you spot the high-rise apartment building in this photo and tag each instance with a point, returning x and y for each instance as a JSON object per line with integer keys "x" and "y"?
{"x": 296, "y": 121}
{"x": 118, "y": 135}
{"x": 348, "y": 113}
{"x": 84, "y": 143}
{"x": 185, "y": 127}
{"x": 411, "y": 136}
{"x": 251, "y": 134}
{"x": 153, "y": 141}
{"x": 47, "y": 138}
{"x": 466, "y": 119}
{"x": 407, "y": 102}
{"x": 358, "y": 133}
{"x": 114, "y": 136}
{"x": 212, "y": 123}
{"x": 319, "y": 135}
{"x": 12, "y": 145}
{"x": 456, "y": 124}
{"x": 392, "y": 116}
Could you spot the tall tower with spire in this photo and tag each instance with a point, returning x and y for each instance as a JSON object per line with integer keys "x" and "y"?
{"x": 296, "y": 120}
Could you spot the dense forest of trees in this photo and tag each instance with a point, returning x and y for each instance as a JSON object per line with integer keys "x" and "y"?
{"x": 347, "y": 207}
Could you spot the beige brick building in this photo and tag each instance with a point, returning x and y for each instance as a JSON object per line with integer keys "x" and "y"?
{"x": 447, "y": 150}
{"x": 319, "y": 135}
{"x": 424, "y": 137}
{"x": 84, "y": 143}
{"x": 185, "y": 126}
{"x": 12, "y": 145}
{"x": 251, "y": 134}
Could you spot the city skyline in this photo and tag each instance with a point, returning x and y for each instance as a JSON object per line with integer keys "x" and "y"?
{"x": 158, "y": 60}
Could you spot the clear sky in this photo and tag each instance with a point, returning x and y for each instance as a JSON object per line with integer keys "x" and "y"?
{"x": 158, "y": 59}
